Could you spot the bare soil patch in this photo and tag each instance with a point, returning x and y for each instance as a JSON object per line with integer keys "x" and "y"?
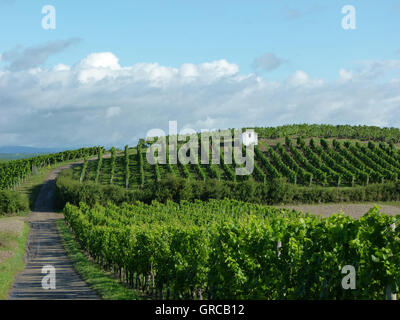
{"x": 9, "y": 228}
{"x": 12, "y": 224}
{"x": 354, "y": 210}
{"x": 5, "y": 255}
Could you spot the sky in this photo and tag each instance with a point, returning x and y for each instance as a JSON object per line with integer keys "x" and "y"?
{"x": 111, "y": 71}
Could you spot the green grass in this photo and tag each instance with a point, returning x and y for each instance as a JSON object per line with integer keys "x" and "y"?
{"x": 102, "y": 282}
{"x": 32, "y": 185}
{"x": 10, "y": 267}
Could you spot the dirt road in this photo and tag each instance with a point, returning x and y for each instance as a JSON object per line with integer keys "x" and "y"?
{"x": 45, "y": 248}
{"x": 354, "y": 210}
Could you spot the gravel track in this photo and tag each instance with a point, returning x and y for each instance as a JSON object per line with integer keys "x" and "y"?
{"x": 45, "y": 248}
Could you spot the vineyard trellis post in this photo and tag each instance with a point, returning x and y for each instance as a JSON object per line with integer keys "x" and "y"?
{"x": 389, "y": 294}
{"x": 278, "y": 247}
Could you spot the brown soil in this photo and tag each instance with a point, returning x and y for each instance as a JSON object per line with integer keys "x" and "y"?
{"x": 12, "y": 224}
{"x": 354, "y": 210}
{"x": 5, "y": 255}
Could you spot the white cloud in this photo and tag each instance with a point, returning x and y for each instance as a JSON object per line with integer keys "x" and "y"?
{"x": 98, "y": 101}
{"x": 97, "y": 66}
{"x": 189, "y": 70}
{"x": 61, "y": 67}
{"x": 100, "y": 60}
{"x": 345, "y": 75}
{"x": 302, "y": 79}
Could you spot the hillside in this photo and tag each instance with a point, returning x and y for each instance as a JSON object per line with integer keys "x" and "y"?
{"x": 306, "y": 162}
{"x": 199, "y": 231}
{"x": 28, "y": 150}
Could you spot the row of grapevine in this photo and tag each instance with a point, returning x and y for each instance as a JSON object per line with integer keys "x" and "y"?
{"x": 185, "y": 170}
{"x": 140, "y": 164}
{"x": 305, "y": 177}
{"x": 373, "y": 176}
{"x": 127, "y": 171}
{"x": 228, "y": 250}
{"x": 84, "y": 169}
{"x": 281, "y": 166}
{"x": 99, "y": 164}
{"x": 385, "y": 153}
{"x": 334, "y": 164}
{"x": 317, "y": 174}
{"x": 229, "y": 172}
{"x": 379, "y": 158}
{"x": 258, "y": 173}
{"x": 270, "y": 169}
{"x": 374, "y": 167}
{"x": 213, "y": 169}
{"x": 15, "y": 171}
{"x": 361, "y": 176}
{"x": 200, "y": 171}
{"x": 348, "y": 176}
{"x": 317, "y": 162}
{"x": 364, "y": 133}
{"x": 157, "y": 173}
{"x": 169, "y": 165}
{"x": 113, "y": 164}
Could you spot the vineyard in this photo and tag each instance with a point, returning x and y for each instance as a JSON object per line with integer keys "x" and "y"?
{"x": 364, "y": 133}
{"x": 15, "y": 171}
{"x": 200, "y": 231}
{"x": 234, "y": 250}
{"x": 304, "y": 162}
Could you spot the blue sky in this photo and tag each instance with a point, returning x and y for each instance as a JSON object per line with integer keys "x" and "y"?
{"x": 305, "y": 33}
{"x": 263, "y": 42}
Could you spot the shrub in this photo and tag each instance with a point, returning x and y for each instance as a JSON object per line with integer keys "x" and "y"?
{"x": 12, "y": 202}
{"x": 173, "y": 188}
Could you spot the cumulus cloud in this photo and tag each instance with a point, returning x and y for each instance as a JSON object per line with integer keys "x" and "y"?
{"x": 345, "y": 75}
{"x": 97, "y": 101}
{"x": 22, "y": 59}
{"x": 370, "y": 70}
{"x": 268, "y": 62}
{"x": 302, "y": 79}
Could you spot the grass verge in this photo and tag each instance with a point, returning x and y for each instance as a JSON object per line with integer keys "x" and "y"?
{"x": 33, "y": 183}
{"x": 10, "y": 267}
{"x": 101, "y": 281}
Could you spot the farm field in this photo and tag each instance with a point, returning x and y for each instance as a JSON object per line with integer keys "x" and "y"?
{"x": 299, "y": 171}
{"x": 174, "y": 231}
{"x": 315, "y": 162}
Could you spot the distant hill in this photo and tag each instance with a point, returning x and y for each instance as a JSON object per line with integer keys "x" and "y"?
{"x": 15, "y": 156}
{"x": 21, "y": 152}
{"x": 27, "y": 150}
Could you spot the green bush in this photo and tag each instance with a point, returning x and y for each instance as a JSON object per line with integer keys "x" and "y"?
{"x": 12, "y": 202}
{"x": 176, "y": 189}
